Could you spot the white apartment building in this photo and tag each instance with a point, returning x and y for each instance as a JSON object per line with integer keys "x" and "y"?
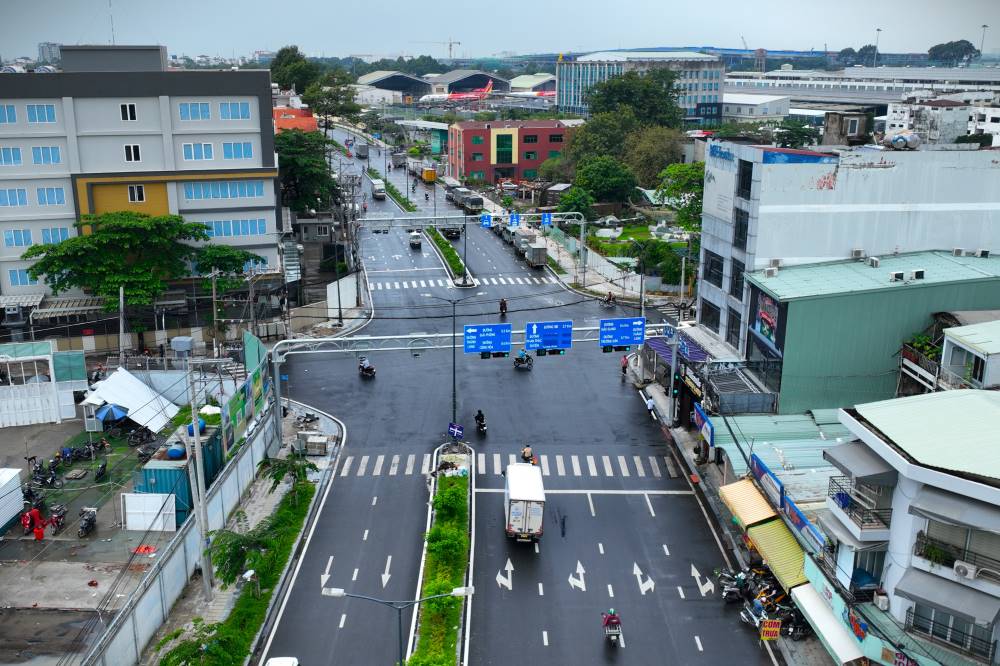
{"x": 742, "y": 108}
{"x": 116, "y": 131}
{"x": 764, "y": 204}
{"x": 933, "y": 120}
{"x": 985, "y": 119}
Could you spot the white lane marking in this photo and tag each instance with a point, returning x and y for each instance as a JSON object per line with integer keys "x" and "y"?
{"x": 560, "y": 466}
{"x": 519, "y": 280}
{"x": 650, "y": 506}
{"x": 607, "y": 465}
{"x": 545, "y": 464}
{"x": 425, "y": 466}
{"x": 536, "y": 548}
{"x": 406, "y": 285}
{"x": 364, "y": 537}
{"x": 378, "y": 286}
{"x": 395, "y": 285}
{"x": 355, "y": 576}
{"x": 496, "y": 462}
{"x": 600, "y": 548}
{"x": 671, "y": 469}
{"x": 654, "y": 466}
{"x": 576, "y": 465}
{"x": 611, "y": 591}
{"x": 363, "y": 465}
{"x": 541, "y": 590}
{"x": 545, "y": 634}
{"x": 680, "y": 591}
{"x": 347, "y": 464}
{"x": 343, "y": 616}
{"x": 591, "y": 466}
{"x": 621, "y": 641}
{"x": 666, "y": 551}
{"x": 410, "y": 460}
{"x": 493, "y": 280}
{"x": 480, "y": 462}
{"x": 513, "y": 459}
{"x": 697, "y": 641}
{"x": 374, "y": 500}
{"x": 590, "y": 501}
{"x": 421, "y": 284}
{"x": 377, "y": 470}
{"x": 621, "y": 463}
{"x": 394, "y": 466}
{"x": 639, "y": 469}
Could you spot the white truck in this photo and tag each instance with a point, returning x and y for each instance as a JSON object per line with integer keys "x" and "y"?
{"x": 524, "y": 502}
{"x": 378, "y": 188}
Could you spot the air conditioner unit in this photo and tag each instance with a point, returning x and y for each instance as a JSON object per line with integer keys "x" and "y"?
{"x": 881, "y": 601}
{"x": 896, "y": 276}
{"x": 770, "y": 272}
{"x": 983, "y": 254}
{"x": 873, "y": 262}
{"x": 775, "y": 263}
{"x": 965, "y": 570}
{"x": 917, "y": 274}
{"x": 12, "y": 311}
{"x": 857, "y": 253}
{"x": 957, "y": 252}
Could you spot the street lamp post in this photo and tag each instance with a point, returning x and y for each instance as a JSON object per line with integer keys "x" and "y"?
{"x": 982, "y": 40}
{"x": 399, "y": 606}
{"x": 454, "y": 350}
{"x": 642, "y": 277}
{"x": 878, "y": 33}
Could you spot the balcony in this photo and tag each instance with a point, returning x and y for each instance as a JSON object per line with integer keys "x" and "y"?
{"x": 919, "y": 365}
{"x": 946, "y": 554}
{"x": 950, "y": 380}
{"x": 855, "y": 504}
{"x": 980, "y": 649}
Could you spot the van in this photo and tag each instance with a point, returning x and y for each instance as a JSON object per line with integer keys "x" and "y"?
{"x": 378, "y": 189}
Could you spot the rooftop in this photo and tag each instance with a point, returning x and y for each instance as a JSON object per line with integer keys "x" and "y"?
{"x": 622, "y": 56}
{"x": 922, "y": 426}
{"x": 459, "y": 74}
{"x": 530, "y": 80}
{"x": 743, "y": 98}
{"x": 853, "y": 276}
{"x": 983, "y": 338}
{"x": 507, "y": 124}
{"x": 896, "y": 74}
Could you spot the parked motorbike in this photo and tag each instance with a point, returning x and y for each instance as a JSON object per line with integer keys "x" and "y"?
{"x": 366, "y": 369}
{"x": 753, "y": 614}
{"x": 101, "y": 472}
{"x": 140, "y": 436}
{"x": 57, "y": 517}
{"x": 523, "y": 363}
{"x": 33, "y": 498}
{"x": 47, "y": 479}
{"x": 146, "y": 451}
{"x": 88, "y": 521}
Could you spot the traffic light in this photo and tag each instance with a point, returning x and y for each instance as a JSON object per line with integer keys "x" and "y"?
{"x": 677, "y": 384}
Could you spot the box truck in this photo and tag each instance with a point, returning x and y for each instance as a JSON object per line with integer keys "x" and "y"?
{"x": 524, "y": 502}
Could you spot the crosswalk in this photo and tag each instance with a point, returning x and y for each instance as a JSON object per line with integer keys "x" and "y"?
{"x": 389, "y": 285}
{"x": 492, "y": 464}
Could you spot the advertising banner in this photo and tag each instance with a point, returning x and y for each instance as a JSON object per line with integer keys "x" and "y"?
{"x": 805, "y": 528}
{"x": 768, "y": 481}
{"x": 704, "y": 424}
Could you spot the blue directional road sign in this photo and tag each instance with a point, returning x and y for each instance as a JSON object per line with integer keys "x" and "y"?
{"x": 546, "y": 219}
{"x": 625, "y": 331}
{"x": 456, "y": 430}
{"x": 548, "y": 335}
{"x": 486, "y": 220}
{"x": 487, "y": 338}
{"x": 515, "y": 219}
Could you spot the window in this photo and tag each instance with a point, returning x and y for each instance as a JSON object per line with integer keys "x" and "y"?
{"x": 531, "y": 155}
{"x": 254, "y": 265}
{"x": 477, "y": 157}
{"x": 8, "y": 114}
{"x": 852, "y": 126}
{"x": 741, "y": 224}
{"x": 555, "y": 153}
{"x": 45, "y": 155}
{"x": 136, "y": 193}
{"x": 531, "y": 138}
{"x": 744, "y": 179}
{"x": 13, "y": 197}
{"x": 531, "y": 174}
{"x": 233, "y": 228}
{"x": 978, "y": 366}
{"x": 949, "y": 628}
{"x": 710, "y": 316}
{"x": 322, "y": 230}
{"x": 477, "y": 175}
{"x": 197, "y": 151}
{"x": 477, "y": 141}
{"x": 132, "y": 152}
{"x": 505, "y": 149}
{"x": 41, "y": 113}
{"x": 20, "y": 278}
{"x": 234, "y": 110}
{"x": 231, "y": 189}
{"x": 736, "y": 279}
{"x": 237, "y": 151}
{"x": 17, "y": 237}
{"x": 50, "y": 196}
{"x": 128, "y": 111}
{"x": 555, "y": 138}
{"x": 195, "y": 111}
{"x": 713, "y": 268}
{"x": 55, "y": 235}
{"x": 733, "y": 322}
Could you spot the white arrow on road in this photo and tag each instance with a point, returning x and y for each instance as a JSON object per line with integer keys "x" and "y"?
{"x": 325, "y": 576}
{"x": 646, "y": 586}
{"x": 578, "y": 581}
{"x": 386, "y": 575}
{"x": 708, "y": 587}
{"x": 507, "y": 582}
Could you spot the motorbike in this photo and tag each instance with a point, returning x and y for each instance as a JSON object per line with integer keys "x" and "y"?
{"x": 525, "y": 362}
{"x": 88, "y": 521}
{"x": 753, "y": 614}
{"x": 101, "y": 472}
{"x": 481, "y": 427}
{"x": 503, "y": 308}
{"x": 140, "y": 436}
{"x": 33, "y": 498}
{"x": 47, "y": 479}
{"x": 366, "y": 370}
{"x": 57, "y": 517}
{"x": 612, "y": 630}
{"x": 145, "y": 452}
{"x": 609, "y": 305}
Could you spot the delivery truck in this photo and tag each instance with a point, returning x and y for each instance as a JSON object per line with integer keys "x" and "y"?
{"x": 361, "y": 151}
{"x": 378, "y": 189}
{"x": 398, "y": 160}
{"x": 524, "y": 502}
{"x": 537, "y": 254}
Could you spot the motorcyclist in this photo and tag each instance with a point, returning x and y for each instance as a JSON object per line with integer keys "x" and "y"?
{"x": 480, "y": 418}
{"x": 522, "y": 356}
{"x": 503, "y": 306}
{"x": 364, "y": 364}
{"x": 526, "y": 454}
{"x": 611, "y": 619}
{"x": 609, "y": 299}
{"x": 427, "y": 197}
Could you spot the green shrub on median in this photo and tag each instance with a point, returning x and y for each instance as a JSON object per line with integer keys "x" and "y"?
{"x": 394, "y": 193}
{"x": 450, "y": 255}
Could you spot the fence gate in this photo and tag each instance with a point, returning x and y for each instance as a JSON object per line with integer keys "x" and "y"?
{"x": 149, "y": 511}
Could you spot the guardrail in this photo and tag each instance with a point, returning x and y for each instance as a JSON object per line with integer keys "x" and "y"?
{"x": 938, "y": 632}
{"x": 843, "y": 495}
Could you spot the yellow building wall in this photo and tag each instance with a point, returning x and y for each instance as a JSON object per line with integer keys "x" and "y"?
{"x": 494, "y": 133}
{"x": 111, "y": 197}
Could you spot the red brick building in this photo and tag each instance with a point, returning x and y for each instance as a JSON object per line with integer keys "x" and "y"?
{"x": 495, "y": 150}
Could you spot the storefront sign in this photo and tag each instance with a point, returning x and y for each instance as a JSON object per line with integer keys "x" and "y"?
{"x": 890, "y": 656}
{"x": 802, "y": 524}
{"x": 770, "y": 630}
{"x": 768, "y": 481}
{"x": 704, "y": 424}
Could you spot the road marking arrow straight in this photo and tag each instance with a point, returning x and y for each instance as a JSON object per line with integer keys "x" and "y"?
{"x": 325, "y": 576}
{"x": 387, "y": 575}
{"x": 507, "y": 581}
{"x": 708, "y": 587}
{"x": 644, "y": 586}
{"x": 578, "y": 581}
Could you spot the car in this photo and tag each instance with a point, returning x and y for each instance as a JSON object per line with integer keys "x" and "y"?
{"x": 282, "y": 661}
{"x": 415, "y": 239}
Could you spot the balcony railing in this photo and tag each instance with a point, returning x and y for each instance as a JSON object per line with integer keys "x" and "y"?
{"x": 945, "y": 554}
{"x": 845, "y": 496}
{"x": 955, "y": 381}
{"x": 911, "y": 354}
{"x": 852, "y": 595}
{"x": 979, "y": 649}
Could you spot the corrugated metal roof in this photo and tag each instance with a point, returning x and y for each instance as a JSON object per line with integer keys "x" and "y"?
{"x": 749, "y": 507}
{"x": 618, "y": 56}
{"x": 850, "y": 276}
{"x": 530, "y": 80}
{"x": 983, "y": 338}
{"x": 459, "y": 74}
{"x": 919, "y": 424}
{"x": 749, "y": 98}
{"x": 24, "y": 300}
{"x": 781, "y": 552}
{"x": 69, "y": 305}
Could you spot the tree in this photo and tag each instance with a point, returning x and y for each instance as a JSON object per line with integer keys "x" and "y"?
{"x": 332, "y": 95}
{"x": 139, "y": 252}
{"x": 791, "y": 134}
{"x": 649, "y": 150}
{"x": 306, "y": 182}
{"x": 577, "y": 200}
{"x": 290, "y": 68}
{"x": 866, "y": 54}
{"x": 229, "y": 261}
{"x": 606, "y": 179}
{"x": 847, "y": 56}
{"x": 684, "y": 184}
{"x": 557, "y": 169}
{"x": 603, "y": 134}
{"x": 294, "y": 468}
{"x": 952, "y": 53}
{"x": 235, "y": 552}
{"x": 651, "y": 96}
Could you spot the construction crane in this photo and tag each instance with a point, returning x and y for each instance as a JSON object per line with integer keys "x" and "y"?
{"x": 451, "y": 43}
{"x": 745, "y": 46}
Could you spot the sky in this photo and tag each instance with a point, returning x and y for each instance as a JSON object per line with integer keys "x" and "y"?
{"x": 408, "y": 27}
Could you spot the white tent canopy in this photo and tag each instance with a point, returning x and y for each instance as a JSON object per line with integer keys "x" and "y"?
{"x": 145, "y": 406}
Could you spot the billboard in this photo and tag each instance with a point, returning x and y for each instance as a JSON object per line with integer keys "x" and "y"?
{"x": 768, "y": 481}
{"x": 766, "y": 318}
{"x": 705, "y": 427}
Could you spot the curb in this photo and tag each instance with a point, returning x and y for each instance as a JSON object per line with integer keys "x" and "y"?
{"x": 454, "y": 280}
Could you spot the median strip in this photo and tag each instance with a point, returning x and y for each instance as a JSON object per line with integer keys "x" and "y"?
{"x": 450, "y": 255}
{"x": 393, "y": 192}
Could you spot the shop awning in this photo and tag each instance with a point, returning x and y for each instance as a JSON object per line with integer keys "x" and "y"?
{"x": 837, "y": 640}
{"x": 955, "y": 598}
{"x": 68, "y": 306}
{"x": 24, "y": 300}
{"x": 955, "y": 509}
{"x": 748, "y": 505}
{"x": 781, "y": 552}
{"x": 860, "y": 463}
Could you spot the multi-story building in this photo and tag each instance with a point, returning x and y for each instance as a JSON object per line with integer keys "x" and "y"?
{"x": 985, "y": 119}
{"x": 933, "y": 120}
{"x": 699, "y": 78}
{"x": 116, "y": 131}
{"x": 491, "y": 151}
{"x": 743, "y": 108}
{"x": 48, "y": 52}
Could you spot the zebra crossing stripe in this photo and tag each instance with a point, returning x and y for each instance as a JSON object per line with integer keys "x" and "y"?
{"x": 377, "y": 470}
{"x": 378, "y": 285}
{"x": 422, "y": 285}
{"x": 576, "y": 465}
{"x": 519, "y": 280}
{"x": 560, "y": 467}
{"x": 363, "y": 465}
{"x": 655, "y": 466}
{"x": 395, "y": 285}
{"x": 545, "y": 465}
{"x": 410, "y": 459}
{"x": 425, "y": 466}
{"x": 591, "y": 466}
{"x": 606, "y": 460}
{"x": 394, "y": 466}
{"x": 671, "y": 470}
{"x": 621, "y": 463}
{"x": 347, "y": 465}
{"x": 481, "y": 463}
{"x": 639, "y": 470}
{"x": 496, "y": 463}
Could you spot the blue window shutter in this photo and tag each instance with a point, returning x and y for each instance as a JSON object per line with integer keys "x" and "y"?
{"x": 247, "y": 150}
{"x": 50, "y": 113}
{"x": 22, "y": 197}
{"x": 245, "y": 110}
{"x": 46, "y": 236}
{"x": 224, "y": 110}
{"x": 260, "y": 188}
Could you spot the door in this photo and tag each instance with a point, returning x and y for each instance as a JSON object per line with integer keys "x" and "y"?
{"x": 516, "y": 519}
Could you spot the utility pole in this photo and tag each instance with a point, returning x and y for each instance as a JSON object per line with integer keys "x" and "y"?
{"x": 215, "y": 325}
{"x": 207, "y": 574}
{"x": 878, "y": 33}
{"x": 673, "y": 373}
{"x": 121, "y": 326}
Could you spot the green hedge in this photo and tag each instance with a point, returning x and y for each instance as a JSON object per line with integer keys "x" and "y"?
{"x": 450, "y": 255}
{"x": 394, "y": 193}
{"x": 227, "y": 643}
{"x": 444, "y": 570}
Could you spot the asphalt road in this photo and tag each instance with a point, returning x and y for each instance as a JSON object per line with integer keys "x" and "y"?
{"x": 618, "y": 503}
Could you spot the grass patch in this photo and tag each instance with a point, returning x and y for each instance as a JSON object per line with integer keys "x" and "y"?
{"x": 554, "y": 265}
{"x": 183, "y": 417}
{"x": 444, "y": 570}
{"x": 339, "y": 147}
{"x": 227, "y": 643}
{"x": 450, "y": 255}
{"x": 393, "y": 192}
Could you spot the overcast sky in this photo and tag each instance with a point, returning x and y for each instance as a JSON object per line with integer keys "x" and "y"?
{"x": 394, "y": 27}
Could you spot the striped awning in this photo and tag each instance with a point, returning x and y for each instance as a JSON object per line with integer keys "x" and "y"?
{"x": 747, "y": 504}
{"x": 781, "y": 552}
{"x": 24, "y": 300}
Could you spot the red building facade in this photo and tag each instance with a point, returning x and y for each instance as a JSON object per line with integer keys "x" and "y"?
{"x": 491, "y": 151}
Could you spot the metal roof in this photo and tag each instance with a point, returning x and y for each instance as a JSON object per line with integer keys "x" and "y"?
{"x": 983, "y": 338}
{"x": 852, "y": 276}
{"x": 24, "y": 300}
{"x": 621, "y": 56}
{"x": 530, "y": 80}
{"x": 68, "y": 305}
{"x": 919, "y": 424}
{"x": 901, "y": 74}
{"x": 423, "y": 125}
{"x": 749, "y": 98}
{"x": 459, "y": 74}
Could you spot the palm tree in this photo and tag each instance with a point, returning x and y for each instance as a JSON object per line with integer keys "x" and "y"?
{"x": 294, "y": 467}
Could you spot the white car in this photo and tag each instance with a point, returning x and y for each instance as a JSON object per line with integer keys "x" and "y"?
{"x": 415, "y": 239}
{"x": 282, "y": 661}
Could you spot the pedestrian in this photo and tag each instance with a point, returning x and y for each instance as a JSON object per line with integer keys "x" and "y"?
{"x": 651, "y": 406}
{"x": 624, "y": 364}
{"x": 161, "y": 350}
{"x": 39, "y": 532}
